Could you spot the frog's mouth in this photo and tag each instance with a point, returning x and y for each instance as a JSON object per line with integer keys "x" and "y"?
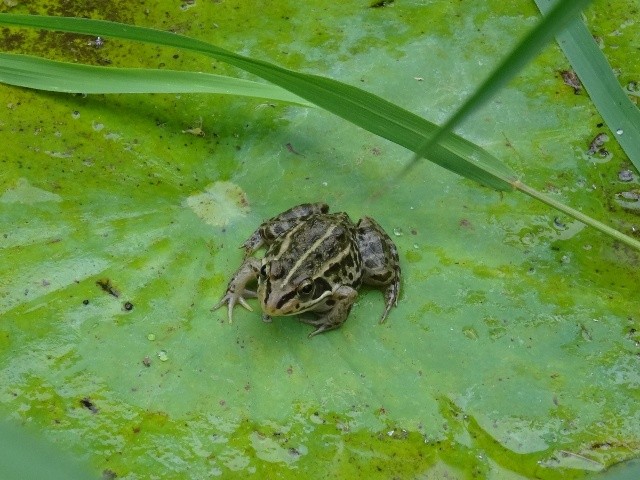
{"x": 290, "y": 304}
{"x": 280, "y": 307}
{"x": 271, "y": 304}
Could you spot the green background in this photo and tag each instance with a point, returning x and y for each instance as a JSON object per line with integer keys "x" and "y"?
{"x": 514, "y": 349}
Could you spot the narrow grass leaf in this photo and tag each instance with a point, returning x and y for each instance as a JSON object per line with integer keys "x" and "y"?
{"x": 42, "y": 74}
{"x": 598, "y": 79}
{"x": 522, "y": 54}
{"x": 364, "y": 109}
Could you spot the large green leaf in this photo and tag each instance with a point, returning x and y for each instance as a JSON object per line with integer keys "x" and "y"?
{"x": 513, "y": 351}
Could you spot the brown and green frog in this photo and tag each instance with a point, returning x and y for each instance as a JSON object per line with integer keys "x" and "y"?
{"x": 315, "y": 261}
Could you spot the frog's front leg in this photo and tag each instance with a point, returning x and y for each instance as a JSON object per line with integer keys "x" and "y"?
{"x": 271, "y": 229}
{"x": 237, "y": 289}
{"x": 340, "y": 303}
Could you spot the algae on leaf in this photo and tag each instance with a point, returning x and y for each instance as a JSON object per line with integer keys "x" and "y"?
{"x": 513, "y": 350}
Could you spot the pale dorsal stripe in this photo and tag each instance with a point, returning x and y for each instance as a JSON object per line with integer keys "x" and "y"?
{"x": 284, "y": 246}
{"x": 311, "y": 250}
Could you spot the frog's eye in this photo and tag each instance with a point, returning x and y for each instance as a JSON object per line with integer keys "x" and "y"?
{"x": 263, "y": 272}
{"x": 305, "y": 289}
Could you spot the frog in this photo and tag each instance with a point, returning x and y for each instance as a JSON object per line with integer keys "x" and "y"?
{"x": 315, "y": 262}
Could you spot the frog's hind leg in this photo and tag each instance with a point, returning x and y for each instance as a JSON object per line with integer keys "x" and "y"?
{"x": 381, "y": 265}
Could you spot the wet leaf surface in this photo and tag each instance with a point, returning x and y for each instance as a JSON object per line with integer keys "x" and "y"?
{"x": 514, "y": 348}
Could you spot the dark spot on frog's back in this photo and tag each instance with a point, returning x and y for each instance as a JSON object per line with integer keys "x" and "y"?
{"x": 317, "y": 228}
{"x": 336, "y": 269}
{"x": 339, "y": 234}
{"x": 348, "y": 261}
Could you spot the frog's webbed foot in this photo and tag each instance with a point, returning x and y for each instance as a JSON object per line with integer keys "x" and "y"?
{"x": 334, "y": 318}
{"x": 322, "y": 327}
{"x": 236, "y": 292}
{"x": 315, "y": 321}
{"x": 232, "y": 298}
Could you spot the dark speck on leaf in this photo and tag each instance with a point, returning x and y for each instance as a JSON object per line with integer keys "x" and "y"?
{"x": 381, "y": 3}
{"x": 597, "y": 143}
{"x": 89, "y": 405}
{"x": 570, "y": 78}
{"x": 108, "y": 474}
{"x": 557, "y": 221}
{"x": 293, "y": 150}
{"x": 106, "y": 285}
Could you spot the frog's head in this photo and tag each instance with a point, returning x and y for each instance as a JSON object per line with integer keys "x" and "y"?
{"x": 281, "y": 295}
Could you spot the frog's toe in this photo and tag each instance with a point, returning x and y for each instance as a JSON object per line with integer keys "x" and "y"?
{"x": 244, "y": 303}
{"x": 322, "y": 324}
{"x": 322, "y": 328}
{"x": 222, "y": 301}
{"x": 385, "y": 313}
{"x": 391, "y": 299}
{"x": 316, "y": 331}
{"x": 231, "y": 299}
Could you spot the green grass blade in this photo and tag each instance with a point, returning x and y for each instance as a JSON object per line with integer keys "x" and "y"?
{"x": 34, "y": 72}
{"x": 598, "y": 79}
{"x": 364, "y": 109}
{"x": 522, "y": 54}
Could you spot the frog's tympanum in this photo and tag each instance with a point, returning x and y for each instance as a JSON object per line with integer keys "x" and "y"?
{"x": 315, "y": 262}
